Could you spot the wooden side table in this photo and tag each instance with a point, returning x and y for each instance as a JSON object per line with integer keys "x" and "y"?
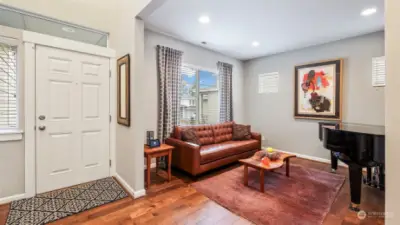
{"x": 149, "y": 153}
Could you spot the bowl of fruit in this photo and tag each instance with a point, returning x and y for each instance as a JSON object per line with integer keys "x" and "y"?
{"x": 272, "y": 154}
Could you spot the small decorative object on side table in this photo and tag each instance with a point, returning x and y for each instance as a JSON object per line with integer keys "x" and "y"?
{"x": 149, "y": 153}
{"x": 151, "y": 142}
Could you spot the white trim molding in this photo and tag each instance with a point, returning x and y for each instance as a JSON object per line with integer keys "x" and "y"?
{"x": 30, "y": 122}
{"x": 312, "y": 158}
{"x": 62, "y": 43}
{"x": 138, "y": 194}
{"x": 10, "y": 135}
{"x": 113, "y": 114}
{"x": 11, "y": 198}
{"x": 132, "y": 192}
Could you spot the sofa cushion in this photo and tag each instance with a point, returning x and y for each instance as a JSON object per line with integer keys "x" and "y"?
{"x": 222, "y": 132}
{"x": 241, "y": 132}
{"x": 209, "y": 153}
{"x": 204, "y": 133}
{"x": 189, "y": 135}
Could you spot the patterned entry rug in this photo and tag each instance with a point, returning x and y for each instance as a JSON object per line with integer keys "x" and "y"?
{"x": 55, "y": 205}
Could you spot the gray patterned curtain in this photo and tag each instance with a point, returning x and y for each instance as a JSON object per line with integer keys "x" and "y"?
{"x": 225, "y": 82}
{"x": 169, "y": 64}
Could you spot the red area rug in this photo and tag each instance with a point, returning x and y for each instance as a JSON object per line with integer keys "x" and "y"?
{"x": 303, "y": 198}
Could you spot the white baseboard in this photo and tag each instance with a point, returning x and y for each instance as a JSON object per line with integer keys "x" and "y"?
{"x": 132, "y": 192}
{"x": 313, "y": 158}
{"x": 9, "y": 199}
{"x": 140, "y": 193}
{"x": 317, "y": 159}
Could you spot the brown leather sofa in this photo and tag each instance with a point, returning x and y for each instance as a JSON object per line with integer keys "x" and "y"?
{"x": 215, "y": 150}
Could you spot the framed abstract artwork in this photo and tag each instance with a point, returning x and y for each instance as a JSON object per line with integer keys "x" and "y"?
{"x": 123, "y": 89}
{"x": 318, "y": 90}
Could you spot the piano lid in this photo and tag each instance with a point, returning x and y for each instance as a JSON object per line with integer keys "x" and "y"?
{"x": 357, "y": 128}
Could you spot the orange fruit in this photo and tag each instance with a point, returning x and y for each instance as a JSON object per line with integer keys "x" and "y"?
{"x": 266, "y": 161}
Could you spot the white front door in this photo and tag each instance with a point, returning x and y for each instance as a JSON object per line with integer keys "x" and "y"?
{"x": 72, "y": 118}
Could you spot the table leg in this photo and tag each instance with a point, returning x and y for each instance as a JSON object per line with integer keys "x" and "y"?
{"x": 262, "y": 180}
{"x": 148, "y": 171}
{"x": 287, "y": 167}
{"x": 169, "y": 165}
{"x": 157, "y": 163}
{"x": 246, "y": 176}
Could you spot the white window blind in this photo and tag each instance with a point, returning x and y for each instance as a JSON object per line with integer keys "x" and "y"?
{"x": 379, "y": 71}
{"x": 188, "y": 71}
{"x": 8, "y": 87}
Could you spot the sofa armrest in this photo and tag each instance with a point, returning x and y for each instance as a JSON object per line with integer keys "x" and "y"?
{"x": 256, "y": 136}
{"x": 185, "y": 156}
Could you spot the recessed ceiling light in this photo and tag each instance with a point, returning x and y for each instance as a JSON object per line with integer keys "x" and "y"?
{"x": 204, "y": 19}
{"x": 368, "y": 12}
{"x": 255, "y": 43}
{"x": 68, "y": 29}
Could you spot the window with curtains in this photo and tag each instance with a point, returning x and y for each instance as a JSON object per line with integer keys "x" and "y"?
{"x": 199, "y": 96}
{"x": 8, "y": 87}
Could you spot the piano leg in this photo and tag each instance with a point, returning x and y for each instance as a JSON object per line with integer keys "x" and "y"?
{"x": 382, "y": 177}
{"x": 368, "y": 180}
{"x": 334, "y": 162}
{"x": 355, "y": 173}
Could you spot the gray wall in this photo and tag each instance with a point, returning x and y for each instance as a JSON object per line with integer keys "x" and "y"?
{"x": 12, "y": 168}
{"x": 193, "y": 55}
{"x": 272, "y": 114}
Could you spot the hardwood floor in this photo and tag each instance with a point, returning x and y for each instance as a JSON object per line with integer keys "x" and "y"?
{"x": 177, "y": 202}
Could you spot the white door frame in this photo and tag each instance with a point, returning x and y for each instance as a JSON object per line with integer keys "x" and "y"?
{"x": 30, "y": 41}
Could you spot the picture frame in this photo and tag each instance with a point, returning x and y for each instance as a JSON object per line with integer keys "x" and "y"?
{"x": 123, "y": 91}
{"x": 318, "y": 90}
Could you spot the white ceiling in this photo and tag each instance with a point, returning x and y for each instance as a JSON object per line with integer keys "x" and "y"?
{"x": 279, "y": 25}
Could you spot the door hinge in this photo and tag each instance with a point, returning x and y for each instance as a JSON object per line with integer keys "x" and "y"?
{"x": 110, "y": 118}
{"x": 34, "y": 127}
{"x": 110, "y": 73}
{"x": 110, "y": 162}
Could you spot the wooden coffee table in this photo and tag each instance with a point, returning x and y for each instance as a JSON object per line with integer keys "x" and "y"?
{"x": 257, "y": 164}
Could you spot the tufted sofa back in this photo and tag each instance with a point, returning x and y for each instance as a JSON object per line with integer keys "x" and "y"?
{"x": 204, "y": 133}
{"x": 208, "y": 134}
{"x": 223, "y": 132}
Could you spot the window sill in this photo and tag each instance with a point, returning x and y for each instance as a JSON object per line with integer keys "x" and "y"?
{"x": 10, "y": 135}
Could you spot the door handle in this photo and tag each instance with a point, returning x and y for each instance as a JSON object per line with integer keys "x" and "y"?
{"x": 42, "y": 117}
{"x": 42, "y": 128}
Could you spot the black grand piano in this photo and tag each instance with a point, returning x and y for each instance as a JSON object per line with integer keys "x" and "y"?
{"x": 358, "y": 146}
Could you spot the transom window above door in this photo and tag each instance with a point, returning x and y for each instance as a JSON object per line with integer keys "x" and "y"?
{"x": 8, "y": 87}
{"x": 199, "y": 96}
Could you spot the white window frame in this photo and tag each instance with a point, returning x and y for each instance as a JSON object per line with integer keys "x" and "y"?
{"x": 14, "y": 134}
{"x": 214, "y": 71}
